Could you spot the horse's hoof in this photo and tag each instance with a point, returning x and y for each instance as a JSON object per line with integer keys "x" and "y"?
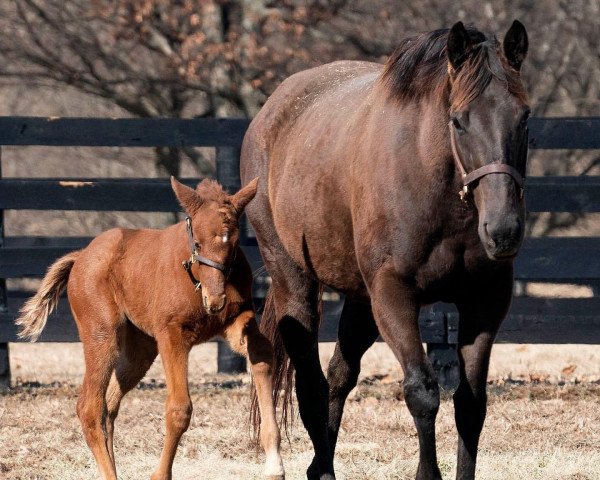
{"x": 312, "y": 473}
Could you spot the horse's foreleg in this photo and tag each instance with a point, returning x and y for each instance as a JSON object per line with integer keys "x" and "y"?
{"x": 245, "y": 338}
{"x": 174, "y": 352}
{"x": 477, "y": 331}
{"x": 396, "y": 314}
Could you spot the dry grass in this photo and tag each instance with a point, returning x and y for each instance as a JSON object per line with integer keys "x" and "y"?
{"x": 535, "y": 430}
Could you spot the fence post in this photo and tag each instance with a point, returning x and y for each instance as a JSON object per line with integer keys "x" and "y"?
{"x": 442, "y": 353}
{"x": 4, "y": 358}
{"x": 228, "y": 175}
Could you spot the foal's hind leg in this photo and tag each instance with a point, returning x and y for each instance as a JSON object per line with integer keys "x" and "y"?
{"x": 477, "y": 330}
{"x": 100, "y": 350}
{"x": 356, "y": 333}
{"x": 245, "y": 338}
{"x": 137, "y": 352}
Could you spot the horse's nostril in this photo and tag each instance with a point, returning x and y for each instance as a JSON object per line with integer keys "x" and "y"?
{"x": 489, "y": 239}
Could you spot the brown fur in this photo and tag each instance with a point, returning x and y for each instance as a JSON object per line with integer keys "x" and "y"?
{"x": 131, "y": 299}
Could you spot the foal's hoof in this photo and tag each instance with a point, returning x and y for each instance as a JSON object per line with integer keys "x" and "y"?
{"x": 275, "y": 477}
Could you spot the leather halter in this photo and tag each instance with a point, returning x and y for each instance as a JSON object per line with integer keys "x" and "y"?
{"x": 469, "y": 178}
{"x": 197, "y": 258}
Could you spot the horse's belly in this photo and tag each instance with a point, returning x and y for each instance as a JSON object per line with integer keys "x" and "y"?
{"x": 320, "y": 243}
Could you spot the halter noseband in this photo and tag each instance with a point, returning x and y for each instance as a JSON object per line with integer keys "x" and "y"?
{"x": 197, "y": 258}
{"x": 469, "y": 178}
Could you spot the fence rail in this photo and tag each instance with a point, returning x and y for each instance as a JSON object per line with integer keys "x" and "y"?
{"x": 531, "y": 320}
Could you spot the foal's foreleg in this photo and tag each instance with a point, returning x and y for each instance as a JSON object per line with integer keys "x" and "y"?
{"x": 174, "y": 352}
{"x": 245, "y": 338}
{"x": 396, "y": 314}
{"x": 477, "y": 331}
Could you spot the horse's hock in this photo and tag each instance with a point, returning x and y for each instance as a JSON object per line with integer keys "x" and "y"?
{"x": 559, "y": 260}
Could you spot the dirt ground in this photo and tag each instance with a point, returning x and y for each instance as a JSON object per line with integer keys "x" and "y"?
{"x": 543, "y": 419}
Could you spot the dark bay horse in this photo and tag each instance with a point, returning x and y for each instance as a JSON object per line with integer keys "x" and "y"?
{"x": 131, "y": 299}
{"x": 360, "y": 167}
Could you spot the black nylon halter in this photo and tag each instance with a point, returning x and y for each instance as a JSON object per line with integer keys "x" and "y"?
{"x": 197, "y": 258}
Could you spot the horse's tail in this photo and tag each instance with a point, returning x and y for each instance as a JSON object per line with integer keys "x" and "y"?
{"x": 283, "y": 370}
{"x": 34, "y": 313}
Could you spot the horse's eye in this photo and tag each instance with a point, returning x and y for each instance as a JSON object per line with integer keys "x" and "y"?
{"x": 456, "y": 123}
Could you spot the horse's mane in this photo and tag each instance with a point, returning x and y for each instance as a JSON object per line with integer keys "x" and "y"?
{"x": 419, "y": 68}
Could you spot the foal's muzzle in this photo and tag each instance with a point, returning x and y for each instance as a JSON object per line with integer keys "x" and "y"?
{"x": 214, "y": 303}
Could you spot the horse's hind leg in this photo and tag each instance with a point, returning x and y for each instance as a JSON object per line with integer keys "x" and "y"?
{"x": 137, "y": 351}
{"x": 245, "y": 338}
{"x": 477, "y": 330}
{"x": 296, "y": 298}
{"x": 356, "y": 333}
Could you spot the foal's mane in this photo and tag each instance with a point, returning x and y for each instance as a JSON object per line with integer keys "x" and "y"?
{"x": 419, "y": 68}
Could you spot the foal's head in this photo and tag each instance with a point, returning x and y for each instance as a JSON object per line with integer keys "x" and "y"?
{"x": 488, "y": 119}
{"x": 215, "y": 219}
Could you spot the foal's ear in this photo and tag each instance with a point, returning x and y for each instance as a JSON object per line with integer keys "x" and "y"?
{"x": 516, "y": 45}
{"x": 189, "y": 200}
{"x": 458, "y": 45}
{"x": 243, "y": 197}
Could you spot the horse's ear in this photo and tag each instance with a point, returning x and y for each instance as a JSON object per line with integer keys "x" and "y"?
{"x": 189, "y": 200}
{"x": 515, "y": 45}
{"x": 243, "y": 197}
{"x": 458, "y": 45}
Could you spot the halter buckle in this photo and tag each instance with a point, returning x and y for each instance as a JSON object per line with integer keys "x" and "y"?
{"x": 463, "y": 193}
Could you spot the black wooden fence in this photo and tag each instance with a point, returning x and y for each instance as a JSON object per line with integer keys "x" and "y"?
{"x": 531, "y": 320}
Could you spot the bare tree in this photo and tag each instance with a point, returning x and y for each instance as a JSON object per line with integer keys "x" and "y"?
{"x": 224, "y": 57}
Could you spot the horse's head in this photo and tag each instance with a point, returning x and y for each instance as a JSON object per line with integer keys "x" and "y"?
{"x": 488, "y": 123}
{"x": 214, "y": 218}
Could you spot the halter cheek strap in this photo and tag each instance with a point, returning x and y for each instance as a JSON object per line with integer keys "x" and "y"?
{"x": 469, "y": 178}
{"x": 197, "y": 258}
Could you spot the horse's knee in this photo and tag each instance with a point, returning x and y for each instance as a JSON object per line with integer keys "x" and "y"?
{"x": 421, "y": 392}
{"x": 178, "y": 416}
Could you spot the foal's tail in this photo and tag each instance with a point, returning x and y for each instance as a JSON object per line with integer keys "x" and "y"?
{"x": 34, "y": 313}
{"x": 283, "y": 370}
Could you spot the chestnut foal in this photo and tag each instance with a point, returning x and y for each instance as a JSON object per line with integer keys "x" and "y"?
{"x": 132, "y": 299}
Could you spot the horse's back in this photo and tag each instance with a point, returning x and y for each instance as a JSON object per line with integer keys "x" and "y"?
{"x": 298, "y": 146}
